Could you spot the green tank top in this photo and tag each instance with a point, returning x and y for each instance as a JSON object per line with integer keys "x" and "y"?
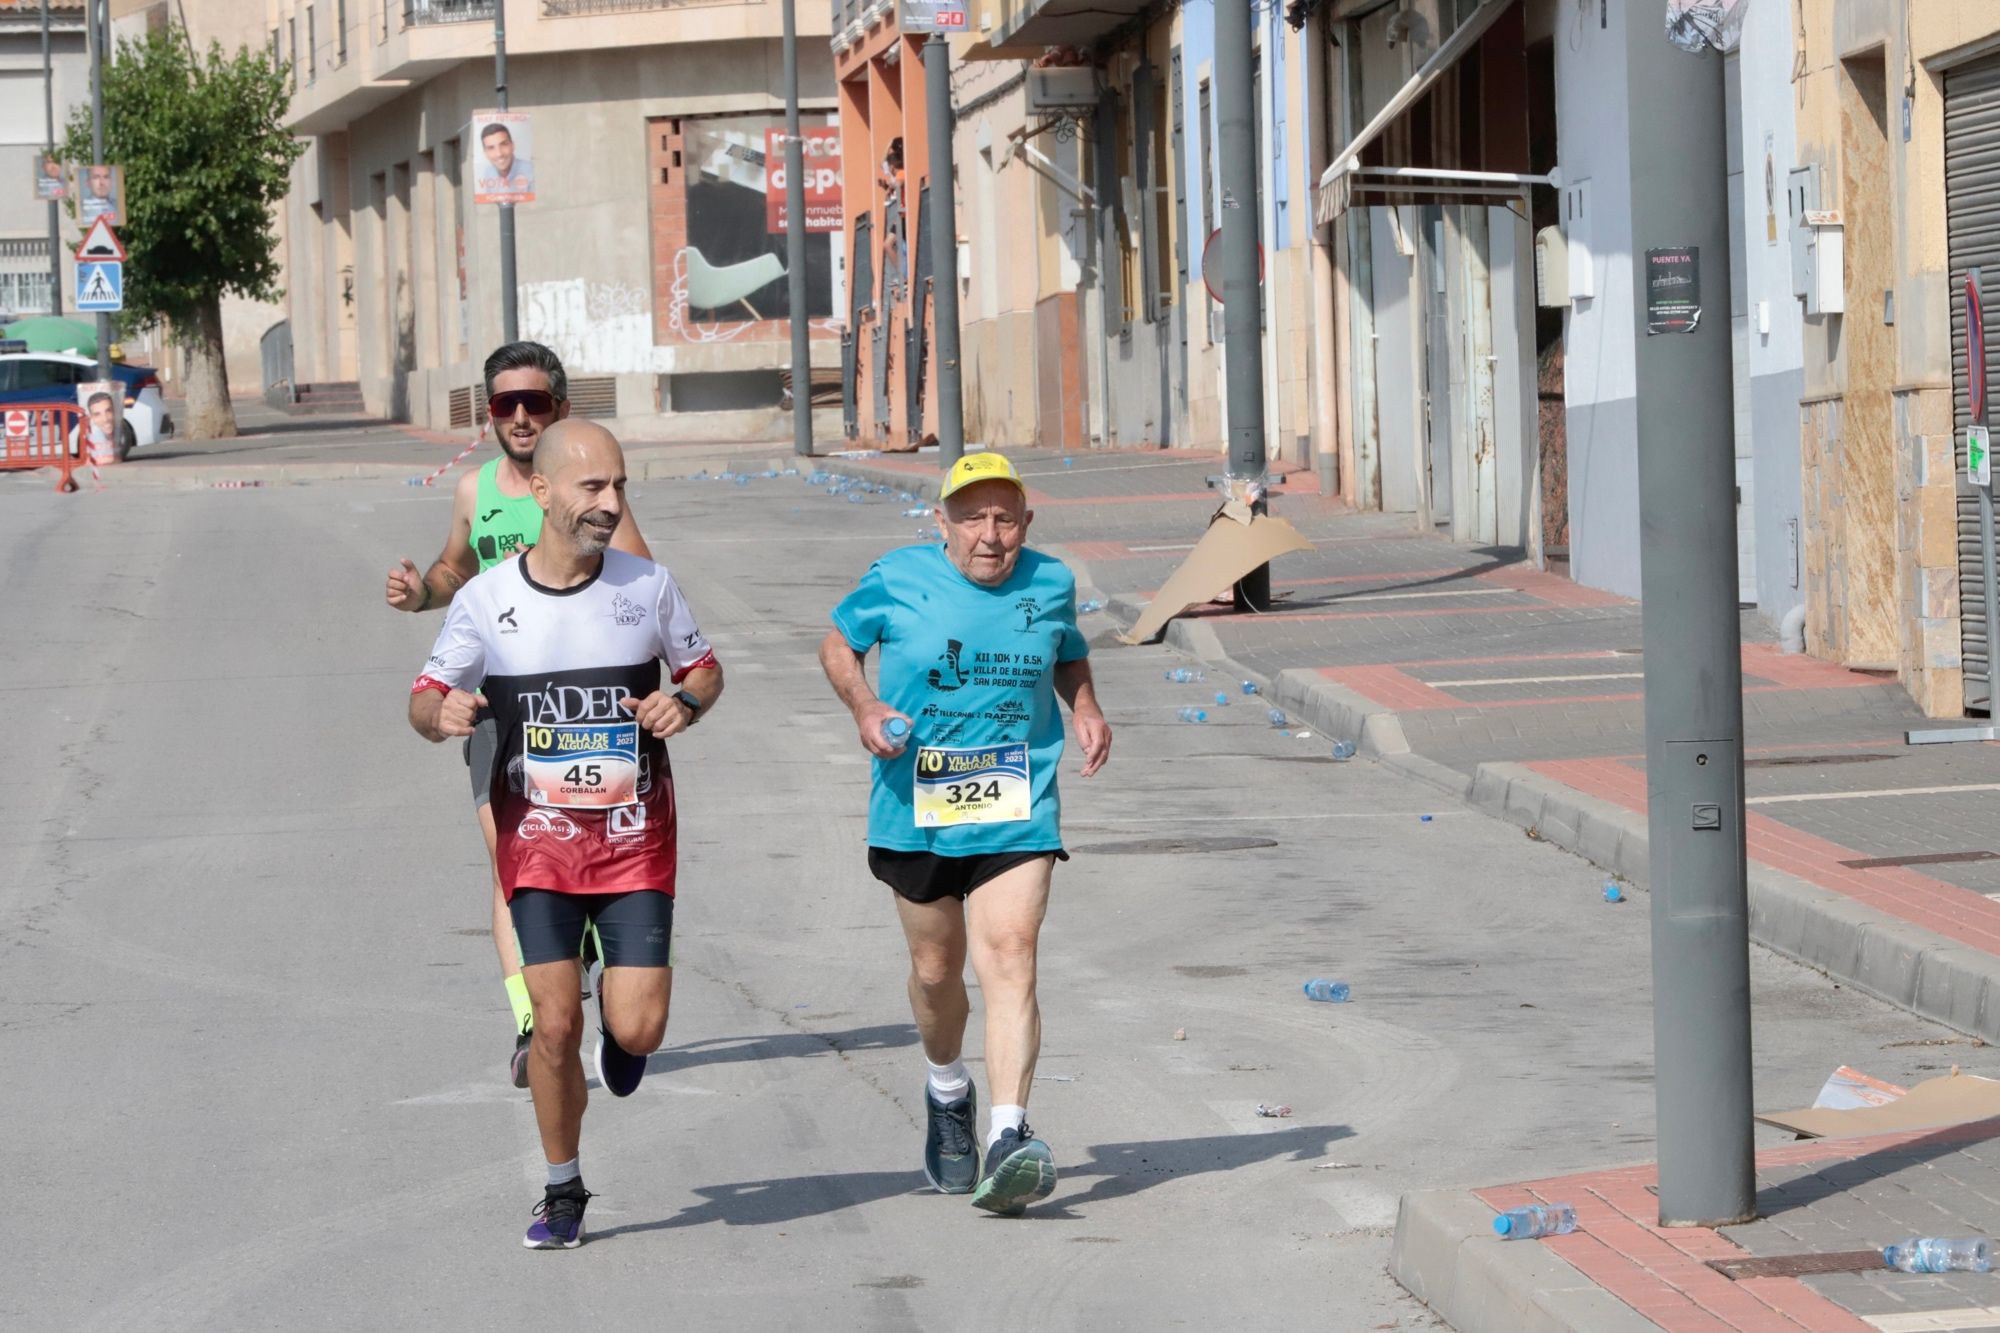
{"x": 501, "y": 524}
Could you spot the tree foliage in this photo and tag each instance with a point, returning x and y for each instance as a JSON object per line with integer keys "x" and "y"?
{"x": 206, "y": 158}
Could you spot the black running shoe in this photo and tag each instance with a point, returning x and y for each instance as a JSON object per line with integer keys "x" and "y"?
{"x": 517, "y": 1068}
{"x": 1019, "y": 1171}
{"x": 951, "y": 1148}
{"x": 558, "y": 1223}
{"x": 618, "y": 1070}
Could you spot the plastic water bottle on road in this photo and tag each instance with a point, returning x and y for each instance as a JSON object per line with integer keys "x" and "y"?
{"x": 1539, "y": 1219}
{"x": 1193, "y": 714}
{"x": 1327, "y": 992}
{"x": 1222, "y": 699}
{"x": 1185, "y": 676}
{"x": 1936, "y": 1254}
{"x": 1343, "y": 750}
{"x": 1250, "y": 687}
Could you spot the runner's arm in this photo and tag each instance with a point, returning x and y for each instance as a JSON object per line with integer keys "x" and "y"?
{"x": 843, "y": 667}
{"x": 439, "y": 714}
{"x": 1074, "y": 683}
{"x": 407, "y": 591}
{"x": 664, "y": 715}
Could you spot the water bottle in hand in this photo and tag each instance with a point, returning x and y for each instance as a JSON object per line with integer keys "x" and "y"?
{"x": 1328, "y": 992}
{"x": 1539, "y": 1219}
{"x": 896, "y": 731}
{"x": 1935, "y": 1254}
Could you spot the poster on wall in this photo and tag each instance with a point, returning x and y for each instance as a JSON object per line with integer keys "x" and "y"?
{"x": 49, "y": 178}
{"x": 822, "y": 159}
{"x": 731, "y": 268}
{"x": 504, "y": 170}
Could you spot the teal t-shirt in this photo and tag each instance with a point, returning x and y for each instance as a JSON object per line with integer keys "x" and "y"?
{"x": 972, "y": 667}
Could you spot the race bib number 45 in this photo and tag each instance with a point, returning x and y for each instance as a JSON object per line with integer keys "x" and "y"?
{"x": 978, "y": 785}
{"x": 581, "y": 765}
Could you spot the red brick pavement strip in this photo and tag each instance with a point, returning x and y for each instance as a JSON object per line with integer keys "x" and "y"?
{"x": 1663, "y": 1272}
{"x": 1943, "y": 909}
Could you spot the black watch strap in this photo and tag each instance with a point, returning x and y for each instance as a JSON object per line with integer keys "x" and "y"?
{"x": 693, "y": 704}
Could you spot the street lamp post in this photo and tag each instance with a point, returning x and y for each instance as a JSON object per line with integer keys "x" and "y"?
{"x": 795, "y": 243}
{"x": 510, "y": 315}
{"x": 1242, "y": 321}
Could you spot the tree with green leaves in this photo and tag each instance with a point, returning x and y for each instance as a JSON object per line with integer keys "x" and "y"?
{"x": 207, "y": 159}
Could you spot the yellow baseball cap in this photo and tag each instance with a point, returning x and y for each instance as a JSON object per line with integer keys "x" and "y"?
{"x": 980, "y": 467}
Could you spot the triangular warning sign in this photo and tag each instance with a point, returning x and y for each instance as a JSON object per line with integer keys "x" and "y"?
{"x": 100, "y": 242}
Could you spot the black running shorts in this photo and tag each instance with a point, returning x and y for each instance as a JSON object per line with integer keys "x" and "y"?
{"x": 634, "y": 929}
{"x": 481, "y": 747}
{"x": 925, "y": 877}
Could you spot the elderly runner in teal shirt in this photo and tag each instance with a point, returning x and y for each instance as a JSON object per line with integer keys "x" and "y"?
{"x": 978, "y": 640}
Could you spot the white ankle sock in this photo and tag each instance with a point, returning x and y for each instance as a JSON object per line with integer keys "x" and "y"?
{"x": 1004, "y": 1119}
{"x": 948, "y": 1082}
{"x": 561, "y": 1173}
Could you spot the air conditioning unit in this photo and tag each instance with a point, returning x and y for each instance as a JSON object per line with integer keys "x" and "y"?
{"x": 1063, "y": 88}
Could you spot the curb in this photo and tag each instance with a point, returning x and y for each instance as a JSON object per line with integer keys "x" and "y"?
{"x": 1854, "y": 944}
{"x": 1445, "y": 1255}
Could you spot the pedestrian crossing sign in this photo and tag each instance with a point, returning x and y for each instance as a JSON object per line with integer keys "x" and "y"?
{"x": 100, "y": 286}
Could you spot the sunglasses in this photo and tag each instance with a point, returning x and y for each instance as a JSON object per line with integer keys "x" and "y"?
{"x": 538, "y": 402}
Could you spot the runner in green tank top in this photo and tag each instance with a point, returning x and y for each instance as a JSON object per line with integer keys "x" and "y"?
{"x": 493, "y": 515}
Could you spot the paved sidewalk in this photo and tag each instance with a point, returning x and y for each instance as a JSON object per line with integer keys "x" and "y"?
{"x": 1618, "y": 1271}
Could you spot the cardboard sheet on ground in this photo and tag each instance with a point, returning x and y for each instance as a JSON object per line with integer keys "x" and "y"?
{"x": 1237, "y": 541}
{"x": 1954, "y": 1099}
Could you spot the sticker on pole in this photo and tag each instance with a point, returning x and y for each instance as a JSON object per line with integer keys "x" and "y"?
{"x": 1978, "y": 457}
{"x": 1975, "y": 351}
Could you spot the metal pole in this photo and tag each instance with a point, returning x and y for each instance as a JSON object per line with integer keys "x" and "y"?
{"x": 510, "y": 315}
{"x": 944, "y": 251}
{"x": 55, "y": 210}
{"x": 100, "y": 34}
{"x": 1242, "y": 325}
{"x": 795, "y": 243}
{"x": 1694, "y": 673}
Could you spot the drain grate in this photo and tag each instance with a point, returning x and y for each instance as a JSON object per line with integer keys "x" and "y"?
{"x": 1926, "y": 859}
{"x": 1175, "y": 846}
{"x": 1799, "y": 1265}
{"x": 1797, "y": 760}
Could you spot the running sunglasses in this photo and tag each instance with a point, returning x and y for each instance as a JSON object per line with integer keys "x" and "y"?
{"x": 539, "y": 402}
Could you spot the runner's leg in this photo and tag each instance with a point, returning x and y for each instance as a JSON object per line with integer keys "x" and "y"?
{"x": 936, "y": 935}
{"x": 554, "y": 1071}
{"x": 635, "y": 1001}
{"x": 1005, "y": 922}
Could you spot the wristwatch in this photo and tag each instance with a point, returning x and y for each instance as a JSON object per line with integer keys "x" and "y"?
{"x": 692, "y": 704}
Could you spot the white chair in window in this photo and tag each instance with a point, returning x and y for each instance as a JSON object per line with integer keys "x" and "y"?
{"x": 712, "y": 288}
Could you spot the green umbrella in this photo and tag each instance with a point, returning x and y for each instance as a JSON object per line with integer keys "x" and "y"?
{"x": 52, "y": 333}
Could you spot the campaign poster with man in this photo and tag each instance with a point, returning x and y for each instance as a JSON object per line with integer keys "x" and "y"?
{"x": 99, "y": 400}
{"x": 100, "y": 192}
{"x": 503, "y": 169}
{"x": 49, "y": 178}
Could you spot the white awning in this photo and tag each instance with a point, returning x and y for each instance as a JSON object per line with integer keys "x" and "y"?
{"x": 1330, "y": 200}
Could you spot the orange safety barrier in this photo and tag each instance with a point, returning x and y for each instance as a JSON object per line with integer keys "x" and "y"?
{"x": 34, "y": 435}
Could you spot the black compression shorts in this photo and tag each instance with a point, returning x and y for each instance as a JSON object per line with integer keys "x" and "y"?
{"x": 925, "y": 877}
{"x": 634, "y": 929}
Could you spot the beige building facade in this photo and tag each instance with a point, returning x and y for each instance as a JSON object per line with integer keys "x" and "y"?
{"x": 648, "y": 257}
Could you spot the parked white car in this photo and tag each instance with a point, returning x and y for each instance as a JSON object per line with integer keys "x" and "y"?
{"x": 40, "y": 376}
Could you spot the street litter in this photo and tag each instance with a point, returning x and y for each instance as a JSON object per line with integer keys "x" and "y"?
{"x": 1089, "y": 606}
{"x": 1848, "y": 1089}
{"x": 1344, "y": 750}
{"x": 1327, "y": 992}
{"x": 1612, "y": 893}
{"x": 1935, "y": 1254}
{"x": 1424, "y": 819}
{"x": 1951, "y": 1099}
{"x": 1538, "y": 1219}
{"x": 1180, "y": 1034}
{"x": 1055, "y": 1078}
{"x": 1273, "y": 1112}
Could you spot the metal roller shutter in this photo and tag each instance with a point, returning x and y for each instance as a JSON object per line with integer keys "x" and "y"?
{"x": 1972, "y": 206}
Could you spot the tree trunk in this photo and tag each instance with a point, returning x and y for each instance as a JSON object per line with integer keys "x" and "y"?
{"x": 210, "y": 414}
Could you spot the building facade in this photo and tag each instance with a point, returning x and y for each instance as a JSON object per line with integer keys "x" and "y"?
{"x": 24, "y": 219}
{"x": 651, "y": 255}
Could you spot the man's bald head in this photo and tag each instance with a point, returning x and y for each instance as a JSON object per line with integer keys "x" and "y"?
{"x": 568, "y": 442}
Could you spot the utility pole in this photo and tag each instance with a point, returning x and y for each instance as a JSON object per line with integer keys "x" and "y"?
{"x": 510, "y": 315}
{"x": 55, "y": 209}
{"x": 1242, "y": 322}
{"x": 944, "y": 251}
{"x": 795, "y": 243}
{"x": 100, "y": 34}
{"x": 1694, "y": 669}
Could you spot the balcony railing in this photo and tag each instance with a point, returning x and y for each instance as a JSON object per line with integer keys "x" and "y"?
{"x": 425, "y": 13}
{"x": 563, "y": 9}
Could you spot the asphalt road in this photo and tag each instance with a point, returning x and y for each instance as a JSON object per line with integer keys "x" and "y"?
{"x": 254, "y": 1038}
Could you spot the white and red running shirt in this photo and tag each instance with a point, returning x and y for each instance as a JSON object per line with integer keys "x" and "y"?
{"x": 583, "y": 798}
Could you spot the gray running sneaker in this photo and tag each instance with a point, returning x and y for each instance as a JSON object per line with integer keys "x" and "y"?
{"x": 951, "y": 1149}
{"x": 1019, "y": 1171}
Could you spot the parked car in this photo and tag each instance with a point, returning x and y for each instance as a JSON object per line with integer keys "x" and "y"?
{"x": 33, "y": 377}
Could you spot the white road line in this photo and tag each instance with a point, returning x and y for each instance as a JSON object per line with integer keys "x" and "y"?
{"x": 1539, "y": 680}
{"x": 1441, "y": 592}
{"x": 1936, "y": 1321}
{"x": 1244, "y": 819}
{"x": 1168, "y": 546}
{"x": 1882, "y": 791}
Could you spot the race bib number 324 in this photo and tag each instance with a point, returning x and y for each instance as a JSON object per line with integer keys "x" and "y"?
{"x": 580, "y": 765}
{"x": 977, "y": 785}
